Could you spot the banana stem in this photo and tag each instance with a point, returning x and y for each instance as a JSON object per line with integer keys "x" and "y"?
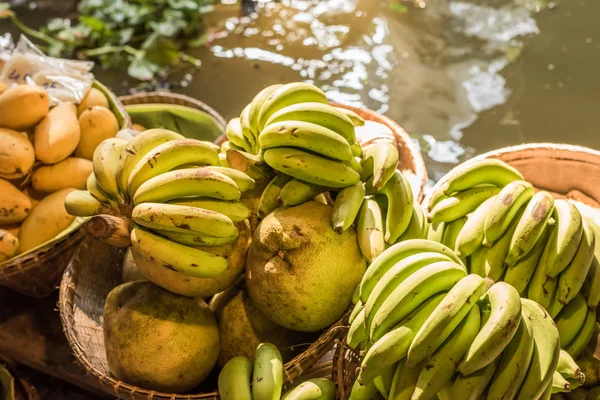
{"x": 109, "y": 229}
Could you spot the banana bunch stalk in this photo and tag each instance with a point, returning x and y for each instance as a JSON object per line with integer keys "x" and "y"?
{"x": 175, "y": 194}
{"x": 504, "y": 231}
{"x": 242, "y": 379}
{"x": 427, "y": 328}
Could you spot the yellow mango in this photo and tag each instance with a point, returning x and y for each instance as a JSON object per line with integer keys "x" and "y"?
{"x": 16, "y": 154}
{"x": 14, "y": 204}
{"x": 23, "y": 106}
{"x": 13, "y": 229}
{"x": 58, "y": 134}
{"x": 34, "y": 196}
{"x": 97, "y": 124}
{"x": 9, "y": 245}
{"x": 71, "y": 172}
{"x": 138, "y": 127}
{"x": 47, "y": 219}
{"x": 93, "y": 98}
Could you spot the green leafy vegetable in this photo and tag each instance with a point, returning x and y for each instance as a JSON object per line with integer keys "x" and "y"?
{"x": 146, "y": 37}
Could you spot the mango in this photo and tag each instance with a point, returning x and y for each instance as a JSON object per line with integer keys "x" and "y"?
{"x": 23, "y": 106}
{"x": 71, "y": 172}
{"x": 34, "y": 196}
{"x": 9, "y": 245}
{"x": 16, "y": 154}
{"x": 12, "y": 229}
{"x": 94, "y": 97}
{"x": 138, "y": 127}
{"x": 97, "y": 123}
{"x": 158, "y": 340}
{"x": 46, "y": 220}
{"x": 14, "y": 204}
{"x": 57, "y": 136}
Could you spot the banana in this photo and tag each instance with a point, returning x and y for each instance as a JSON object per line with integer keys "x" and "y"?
{"x": 424, "y": 283}
{"x": 356, "y": 119}
{"x": 356, "y": 150}
{"x": 583, "y": 337}
{"x": 461, "y": 203}
{"x": 495, "y": 256}
{"x": 477, "y": 262}
{"x": 136, "y": 149}
{"x": 310, "y": 167}
{"x": 396, "y": 253}
{"x": 320, "y": 114}
{"x": 234, "y": 379}
{"x": 247, "y": 130}
{"x": 572, "y": 278}
{"x": 357, "y": 331}
{"x": 470, "y": 236}
{"x": 417, "y": 227}
{"x": 168, "y": 156}
{"x": 519, "y": 274}
{"x": 235, "y": 210}
{"x": 532, "y": 225}
{"x": 513, "y": 364}
{"x": 394, "y": 345}
{"x": 563, "y": 245}
{"x": 305, "y": 135}
{"x": 436, "y": 232}
{"x": 370, "y": 230}
{"x": 193, "y": 182}
{"x": 269, "y": 196}
{"x": 471, "y": 387}
{"x": 358, "y": 307}
{"x": 593, "y": 295}
{"x": 195, "y": 240}
{"x": 267, "y": 377}
{"x": 227, "y": 145}
{"x": 105, "y": 162}
{"x": 312, "y": 389}
{"x": 568, "y": 368}
{"x": 297, "y": 192}
{"x": 395, "y": 276}
{"x": 542, "y": 287}
{"x": 383, "y": 382}
{"x": 346, "y": 207}
{"x": 451, "y": 231}
{"x": 498, "y": 330}
{"x": 286, "y": 95}
{"x": 547, "y": 394}
{"x": 505, "y": 208}
{"x": 545, "y": 353}
{"x": 445, "y": 318}
{"x": 255, "y": 106}
{"x": 96, "y": 191}
{"x": 440, "y": 368}
{"x": 183, "y": 219}
{"x": 360, "y": 392}
{"x": 176, "y": 257}
{"x": 404, "y": 382}
{"x": 554, "y": 307}
{"x": 400, "y": 199}
{"x": 247, "y": 163}
{"x": 235, "y": 134}
{"x": 379, "y": 161}
{"x": 560, "y": 384}
{"x": 476, "y": 172}
{"x": 81, "y": 203}
{"x": 242, "y": 181}
{"x": 571, "y": 319}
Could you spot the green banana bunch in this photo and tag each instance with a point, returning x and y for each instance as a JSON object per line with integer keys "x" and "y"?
{"x": 312, "y": 389}
{"x": 460, "y": 204}
{"x": 583, "y": 336}
{"x": 297, "y": 192}
{"x": 81, "y": 203}
{"x": 370, "y": 228}
{"x": 471, "y": 387}
{"x": 563, "y": 244}
{"x": 105, "y": 162}
{"x": 568, "y": 368}
{"x": 379, "y": 162}
{"x": 470, "y": 237}
{"x": 346, "y": 207}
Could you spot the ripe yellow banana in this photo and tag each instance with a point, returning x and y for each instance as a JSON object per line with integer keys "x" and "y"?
{"x": 563, "y": 244}
{"x": 379, "y": 161}
{"x": 400, "y": 199}
{"x": 235, "y": 210}
{"x": 81, "y": 203}
{"x": 583, "y": 337}
{"x": 243, "y": 181}
{"x": 247, "y": 130}
{"x": 461, "y": 203}
{"x": 234, "y": 379}
{"x": 346, "y": 207}
{"x": 255, "y": 106}
{"x": 570, "y": 319}
{"x": 195, "y": 239}
{"x": 498, "y": 330}
{"x": 472, "y": 387}
{"x": 267, "y": 377}
{"x": 105, "y": 162}
{"x": 297, "y": 192}
{"x": 470, "y": 237}
{"x": 235, "y": 134}
{"x": 96, "y": 191}
{"x": 168, "y": 156}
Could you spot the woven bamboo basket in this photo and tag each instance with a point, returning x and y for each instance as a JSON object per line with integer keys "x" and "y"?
{"x": 37, "y": 272}
{"x": 96, "y": 269}
{"x": 567, "y": 171}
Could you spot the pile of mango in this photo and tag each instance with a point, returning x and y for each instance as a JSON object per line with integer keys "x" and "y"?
{"x": 45, "y": 153}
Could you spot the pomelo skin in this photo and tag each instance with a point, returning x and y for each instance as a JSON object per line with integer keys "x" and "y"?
{"x": 299, "y": 272}
{"x": 158, "y": 340}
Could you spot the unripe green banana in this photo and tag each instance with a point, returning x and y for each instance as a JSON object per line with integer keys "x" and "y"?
{"x": 312, "y": 389}
{"x": 417, "y": 227}
{"x": 354, "y": 163}
{"x": 593, "y": 295}
{"x": 137, "y": 148}
{"x": 267, "y": 378}
{"x": 356, "y": 119}
{"x": 193, "y": 182}
{"x": 168, "y": 156}
{"x": 235, "y": 134}
{"x": 256, "y": 104}
{"x": 287, "y": 95}
{"x": 383, "y": 382}
{"x": 472, "y": 387}
{"x": 195, "y": 239}
{"x": 105, "y": 162}
{"x": 461, "y": 204}
{"x": 268, "y": 199}
{"x": 570, "y": 319}
{"x": 531, "y": 226}
{"x": 583, "y": 337}
{"x": 400, "y": 206}
{"x": 235, "y": 210}
{"x": 521, "y": 273}
{"x": 227, "y": 145}
{"x": 250, "y": 137}
{"x": 360, "y": 392}
{"x": 81, "y": 203}
{"x": 243, "y": 181}
{"x": 346, "y": 206}
{"x": 560, "y": 384}
{"x": 436, "y": 232}
{"x": 176, "y": 257}
{"x": 470, "y": 237}
{"x": 234, "y": 379}
{"x": 370, "y": 229}
{"x": 498, "y": 330}
{"x": 357, "y": 331}
{"x": 542, "y": 288}
{"x": 310, "y": 167}
{"x": 358, "y": 307}
{"x": 404, "y": 382}
{"x": 505, "y": 208}
{"x": 495, "y": 256}
{"x": 297, "y": 192}
{"x": 568, "y": 368}
{"x": 563, "y": 245}
{"x": 451, "y": 231}
{"x": 379, "y": 161}
{"x": 477, "y": 262}
{"x": 357, "y": 150}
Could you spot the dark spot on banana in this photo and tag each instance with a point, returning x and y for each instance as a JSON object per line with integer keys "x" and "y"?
{"x": 130, "y": 152}
{"x": 184, "y": 226}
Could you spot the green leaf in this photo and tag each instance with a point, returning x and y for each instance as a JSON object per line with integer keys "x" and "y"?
{"x": 125, "y": 35}
{"x": 163, "y": 52}
{"x": 94, "y": 23}
{"x": 56, "y": 24}
{"x": 142, "y": 69}
{"x": 398, "y": 7}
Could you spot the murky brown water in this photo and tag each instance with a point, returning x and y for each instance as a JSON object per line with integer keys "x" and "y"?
{"x": 462, "y": 76}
